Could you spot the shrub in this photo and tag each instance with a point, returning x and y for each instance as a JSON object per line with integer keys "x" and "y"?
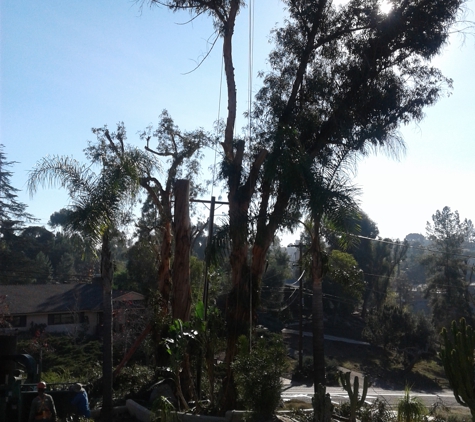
{"x": 258, "y": 374}
{"x": 378, "y": 411}
{"x": 410, "y": 408}
{"x": 305, "y": 374}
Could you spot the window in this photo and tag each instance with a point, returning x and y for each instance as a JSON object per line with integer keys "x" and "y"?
{"x": 68, "y": 318}
{"x": 17, "y": 320}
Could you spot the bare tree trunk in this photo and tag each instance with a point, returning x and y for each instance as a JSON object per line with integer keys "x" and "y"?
{"x": 181, "y": 297}
{"x": 237, "y": 309}
{"x": 107, "y": 272}
{"x": 164, "y": 275}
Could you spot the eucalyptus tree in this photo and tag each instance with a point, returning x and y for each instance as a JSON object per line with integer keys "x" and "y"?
{"x": 343, "y": 76}
{"x": 181, "y": 152}
{"x": 100, "y": 202}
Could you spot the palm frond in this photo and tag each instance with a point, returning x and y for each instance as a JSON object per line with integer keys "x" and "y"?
{"x": 66, "y": 172}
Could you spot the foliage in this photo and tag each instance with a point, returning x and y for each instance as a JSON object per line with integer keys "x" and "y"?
{"x": 395, "y": 327}
{"x": 100, "y": 203}
{"x": 163, "y": 411}
{"x": 44, "y": 269}
{"x": 182, "y": 153}
{"x": 133, "y": 379}
{"x": 35, "y": 254}
{"x": 10, "y": 208}
{"x": 340, "y": 81}
{"x": 410, "y": 408}
{"x": 343, "y": 284}
{"x": 447, "y": 282}
{"x": 277, "y": 272}
{"x": 177, "y": 343}
{"x": 304, "y": 374}
{"x": 195, "y": 341}
{"x": 61, "y": 358}
{"x": 457, "y": 355}
{"x": 258, "y": 374}
{"x": 378, "y": 411}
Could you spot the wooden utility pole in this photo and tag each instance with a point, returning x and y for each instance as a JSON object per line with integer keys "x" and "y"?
{"x": 213, "y": 202}
{"x": 300, "y": 280}
{"x": 208, "y": 256}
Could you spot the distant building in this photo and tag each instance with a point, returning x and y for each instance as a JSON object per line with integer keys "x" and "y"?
{"x": 62, "y": 307}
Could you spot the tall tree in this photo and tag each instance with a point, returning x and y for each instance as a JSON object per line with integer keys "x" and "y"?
{"x": 340, "y": 77}
{"x": 10, "y": 208}
{"x": 330, "y": 197}
{"x": 182, "y": 152}
{"x": 447, "y": 282}
{"x": 99, "y": 205}
{"x": 16, "y": 266}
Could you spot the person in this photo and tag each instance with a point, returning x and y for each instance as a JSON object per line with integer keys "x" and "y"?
{"x": 42, "y": 407}
{"x": 80, "y": 401}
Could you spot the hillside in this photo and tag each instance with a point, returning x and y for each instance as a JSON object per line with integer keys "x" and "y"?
{"x": 384, "y": 368}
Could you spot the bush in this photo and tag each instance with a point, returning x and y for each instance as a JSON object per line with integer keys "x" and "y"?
{"x": 378, "y": 411}
{"x": 395, "y": 327}
{"x": 306, "y": 373}
{"x": 258, "y": 374}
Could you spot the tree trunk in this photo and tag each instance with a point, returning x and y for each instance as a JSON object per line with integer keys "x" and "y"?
{"x": 107, "y": 272}
{"x": 181, "y": 297}
{"x": 317, "y": 310}
{"x": 164, "y": 276}
{"x": 238, "y": 302}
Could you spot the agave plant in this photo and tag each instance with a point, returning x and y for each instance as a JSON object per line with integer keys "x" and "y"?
{"x": 410, "y": 408}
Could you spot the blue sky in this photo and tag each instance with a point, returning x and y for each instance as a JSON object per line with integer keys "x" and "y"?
{"x": 68, "y": 66}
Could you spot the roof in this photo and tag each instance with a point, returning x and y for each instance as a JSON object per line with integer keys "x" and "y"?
{"x": 50, "y": 298}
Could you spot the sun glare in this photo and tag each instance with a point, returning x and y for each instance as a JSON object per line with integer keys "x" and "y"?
{"x": 385, "y": 7}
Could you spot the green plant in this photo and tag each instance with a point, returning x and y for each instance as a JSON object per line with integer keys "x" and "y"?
{"x": 305, "y": 373}
{"x": 258, "y": 374}
{"x": 356, "y": 401}
{"x": 457, "y": 354}
{"x": 332, "y": 374}
{"x": 410, "y": 408}
{"x": 179, "y": 335}
{"x": 377, "y": 411}
{"x": 163, "y": 411}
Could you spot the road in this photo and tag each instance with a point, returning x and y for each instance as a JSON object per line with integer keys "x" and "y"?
{"x": 338, "y": 394}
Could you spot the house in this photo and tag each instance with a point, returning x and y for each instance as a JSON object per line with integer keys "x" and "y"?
{"x": 63, "y": 307}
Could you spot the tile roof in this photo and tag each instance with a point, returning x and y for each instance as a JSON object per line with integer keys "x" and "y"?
{"x": 49, "y": 298}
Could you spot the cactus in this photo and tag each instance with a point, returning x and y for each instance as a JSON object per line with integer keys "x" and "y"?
{"x": 322, "y": 405}
{"x": 353, "y": 393}
{"x": 457, "y": 354}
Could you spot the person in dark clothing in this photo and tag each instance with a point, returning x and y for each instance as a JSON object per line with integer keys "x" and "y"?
{"x": 80, "y": 401}
{"x": 42, "y": 407}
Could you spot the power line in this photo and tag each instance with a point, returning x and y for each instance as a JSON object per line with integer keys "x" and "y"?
{"x": 409, "y": 245}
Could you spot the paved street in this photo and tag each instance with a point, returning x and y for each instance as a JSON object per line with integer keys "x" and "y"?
{"x": 338, "y": 394}
{"x": 305, "y": 393}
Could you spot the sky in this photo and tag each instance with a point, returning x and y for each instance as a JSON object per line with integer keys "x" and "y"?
{"x": 69, "y": 66}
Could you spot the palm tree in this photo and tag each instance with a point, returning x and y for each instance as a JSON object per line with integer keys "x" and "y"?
{"x": 99, "y": 204}
{"x": 330, "y": 201}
